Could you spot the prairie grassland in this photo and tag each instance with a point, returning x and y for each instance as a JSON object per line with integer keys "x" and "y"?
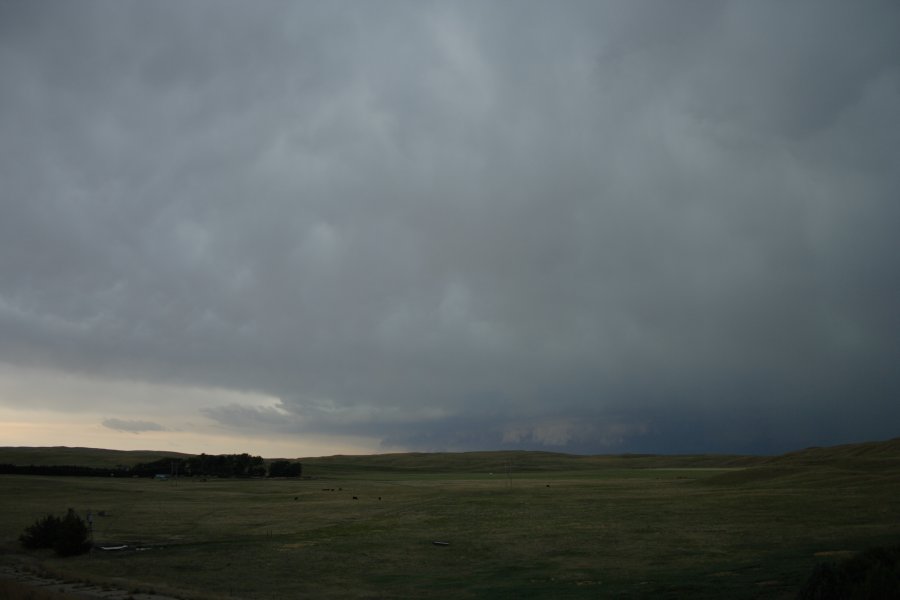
{"x": 83, "y": 457}
{"x": 586, "y": 533}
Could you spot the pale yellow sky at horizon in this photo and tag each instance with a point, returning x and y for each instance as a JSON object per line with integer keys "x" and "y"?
{"x": 42, "y": 407}
{"x": 26, "y": 430}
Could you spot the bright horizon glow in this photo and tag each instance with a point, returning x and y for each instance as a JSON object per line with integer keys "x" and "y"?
{"x": 55, "y": 411}
{"x": 49, "y": 432}
{"x": 54, "y": 434}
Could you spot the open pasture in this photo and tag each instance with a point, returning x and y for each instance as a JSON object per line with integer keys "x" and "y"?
{"x": 587, "y": 532}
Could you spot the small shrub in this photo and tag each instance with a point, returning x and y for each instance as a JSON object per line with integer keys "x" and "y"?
{"x": 67, "y": 536}
{"x": 72, "y": 537}
{"x": 42, "y": 534}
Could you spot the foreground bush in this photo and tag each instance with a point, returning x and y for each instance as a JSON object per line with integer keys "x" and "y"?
{"x": 42, "y": 534}
{"x": 873, "y": 574}
{"x": 67, "y": 536}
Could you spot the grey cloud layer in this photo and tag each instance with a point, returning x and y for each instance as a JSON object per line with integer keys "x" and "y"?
{"x": 587, "y": 226}
{"x": 132, "y": 426}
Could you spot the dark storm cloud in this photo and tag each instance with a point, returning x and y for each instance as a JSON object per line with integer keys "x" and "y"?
{"x": 587, "y": 226}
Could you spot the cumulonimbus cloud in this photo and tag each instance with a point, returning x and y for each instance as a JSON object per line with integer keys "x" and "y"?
{"x": 612, "y": 224}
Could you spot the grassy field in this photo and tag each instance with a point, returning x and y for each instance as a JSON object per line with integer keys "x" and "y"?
{"x": 82, "y": 457}
{"x": 518, "y": 525}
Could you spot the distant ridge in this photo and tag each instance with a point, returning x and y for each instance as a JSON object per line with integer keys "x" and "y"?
{"x": 868, "y": 450}
{"x": 867, "y": 455}
{"x": 501, "y": 461}
{"x": 872, "y": 454}
{"x": 82, "y": 457}
{"x": 861, "y": 464}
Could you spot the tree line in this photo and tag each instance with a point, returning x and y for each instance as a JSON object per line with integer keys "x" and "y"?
{"x": 203, "y": 465}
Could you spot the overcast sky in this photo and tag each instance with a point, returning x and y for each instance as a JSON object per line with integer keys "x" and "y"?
{"x": 304, "y": 228}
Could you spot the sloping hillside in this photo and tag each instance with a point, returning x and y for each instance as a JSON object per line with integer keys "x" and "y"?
{"x": 867, "y": 451}
{"x": 867, "y": 463}
{"x": 82, "y": 457}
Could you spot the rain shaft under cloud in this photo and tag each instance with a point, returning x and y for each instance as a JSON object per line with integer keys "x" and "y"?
{"x": 586, "y": 227}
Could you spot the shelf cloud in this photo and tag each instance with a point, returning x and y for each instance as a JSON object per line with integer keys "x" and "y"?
{"x": 587, "y": 227}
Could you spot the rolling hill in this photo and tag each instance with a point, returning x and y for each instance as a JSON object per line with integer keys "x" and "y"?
{"x": 860, "y": 456}
{"x": 82, "y": 457}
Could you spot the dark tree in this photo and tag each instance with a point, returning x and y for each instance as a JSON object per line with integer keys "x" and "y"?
{"x": 285, "y": 468}
{"x": 221, "y": 465}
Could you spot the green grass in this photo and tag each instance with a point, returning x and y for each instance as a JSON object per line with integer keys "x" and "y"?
{"x": 82, "y": 457}
{"x": 603, "y": 528}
